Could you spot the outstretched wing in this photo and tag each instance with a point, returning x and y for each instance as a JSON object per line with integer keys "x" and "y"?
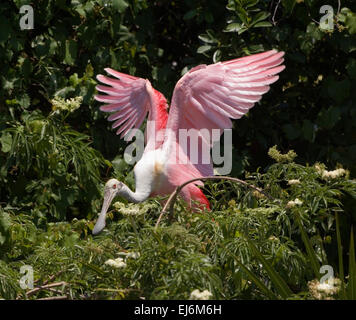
{"x": 208, "y": 96}
{"x": 129, "y": 99}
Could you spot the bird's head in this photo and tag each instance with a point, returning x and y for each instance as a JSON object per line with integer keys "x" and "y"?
{"x": 111, "y": 190}
{"x": 113, "y": 185}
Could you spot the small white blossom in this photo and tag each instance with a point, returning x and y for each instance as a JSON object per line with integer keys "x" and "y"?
{"x": 133, "y": 255}
{"x": 324, "y": 290}
{"x": 294, "y": 203}
{"x": 197, "y": 295}
{"x": 116, "y": 263}
{"x": 318, "y": 168}
{"x": 324, "y": 287}
{"x": 293, "y": 182}
{"x": 333, "y": 174}
{"x": 273, "y": 238}
{"x": 132, "y": 209}
{"x": 70, "y": 105}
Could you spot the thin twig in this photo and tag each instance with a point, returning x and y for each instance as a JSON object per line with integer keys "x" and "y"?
{"x": 51, "y": 278}
{"x": 171, "y": 200}
{"x": 55, "y": 298}
{"x": 44, "y": 287}
{"x": 55, "y": 291}
{"x": 275, "y": 11}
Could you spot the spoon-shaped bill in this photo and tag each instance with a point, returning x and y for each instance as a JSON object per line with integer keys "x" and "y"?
{"x": 100, "y": 223}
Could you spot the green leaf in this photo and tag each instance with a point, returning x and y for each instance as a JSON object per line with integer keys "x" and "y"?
{"x": 5, "y": 224}
{"x": 277, "y": 280}
{"x": 80, "y": 10}
{"x": 207, "y": 38}
{"x": 6, "y": 142}
{"x": 351, "y": 286}
{"x": 260, "y": 17}
{"x": 233, "y": 27}
{"x": 255, "y": 48}
{"x": 308, "y": 246}
{"x": 24, "y": 101}
{"x": 70, "y": 52}
{"x": 269, "y": 293}
{"x": 314, "y": 31}
{"x": 94, "y": 268}
{"x": 217, "y": 56}
{"x": 203, "y": 49}
{"x": 190, "y": 14}
{"x": 242, "y": 14}
{"x": 289, "y": 5}
{"x": 250, "y": 3}
{"x": 119, "y": 164}
{"x": 340, "y": 256}
{"x": 120, "y": 5}
{"x": 262, "y": 24}
{"x": 350, "y": 22}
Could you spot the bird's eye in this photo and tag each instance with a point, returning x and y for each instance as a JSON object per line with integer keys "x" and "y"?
{"x": 114, "y": 186}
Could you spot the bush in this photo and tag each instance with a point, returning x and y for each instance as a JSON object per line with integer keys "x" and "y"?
{"x": 295, "y": 232}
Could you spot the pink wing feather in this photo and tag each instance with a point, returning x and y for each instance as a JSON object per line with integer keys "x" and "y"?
{"x": 208, "y": 96}
{"x": 223, "y": 90}
{"x": 129, "y": 99}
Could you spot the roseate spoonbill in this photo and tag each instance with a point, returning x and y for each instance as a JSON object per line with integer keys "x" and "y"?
{"x": 205, "y": 97}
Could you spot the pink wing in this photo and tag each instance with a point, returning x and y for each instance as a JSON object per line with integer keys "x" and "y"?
{"x": 129, "y": 99}
{"x": 208, "y": 96}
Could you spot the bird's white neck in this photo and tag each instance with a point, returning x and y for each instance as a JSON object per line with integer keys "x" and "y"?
{"x": 134, "y": 197}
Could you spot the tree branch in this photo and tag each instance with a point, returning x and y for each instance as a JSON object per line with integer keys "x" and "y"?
{"x": 44, "y": 287}
{"x": 55, "y": 298}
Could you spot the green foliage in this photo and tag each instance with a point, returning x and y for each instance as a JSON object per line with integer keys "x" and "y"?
{"x": 50, "y": 169}
{"x": 247, "y": 247}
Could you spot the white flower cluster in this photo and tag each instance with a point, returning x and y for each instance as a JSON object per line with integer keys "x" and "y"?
{"x": 197, "y": 295}
{"x": 333, "y": 174}
{"x": 116, "y": 263}
{"x": 324, "y": 290}
{"x": 133, "y": 255}
{"x": 121, "y": 262}
{"x": 293, "y": 182}
{"x": 325, "y": 174}
{"x": 273, "y": 238}
{"x": 132, "y": 209}
{"x": 294, "y": 203}
{"x": 70, "y": 105}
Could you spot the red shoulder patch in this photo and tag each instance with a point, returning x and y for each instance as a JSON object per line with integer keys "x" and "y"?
{"x": 162, "y": 114}
{"x": 199, "y": 195}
